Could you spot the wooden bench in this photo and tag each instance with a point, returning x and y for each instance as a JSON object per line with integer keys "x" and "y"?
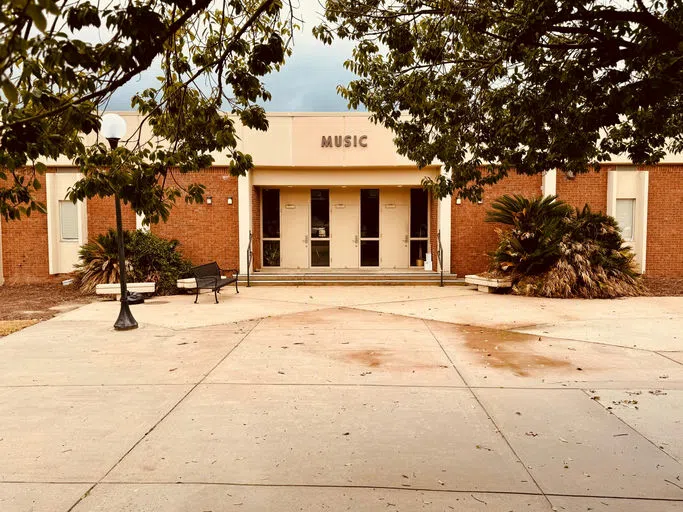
{"x": 115, "y": 288}
{"x": 210, "y": 277}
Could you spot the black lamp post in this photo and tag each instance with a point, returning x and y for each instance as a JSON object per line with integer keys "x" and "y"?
{"x": 113, "y": 129}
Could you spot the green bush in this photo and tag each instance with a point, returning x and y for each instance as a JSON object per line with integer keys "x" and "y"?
{"x": 553, "y": 250}
{"x": 148, "y": 258}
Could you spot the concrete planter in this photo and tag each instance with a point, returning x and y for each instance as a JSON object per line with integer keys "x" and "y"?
{"x": 189, "y": 283}
{"x": 489, "y": 284}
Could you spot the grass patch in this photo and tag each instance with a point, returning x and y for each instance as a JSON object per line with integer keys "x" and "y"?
{"x": 10, "y": 326}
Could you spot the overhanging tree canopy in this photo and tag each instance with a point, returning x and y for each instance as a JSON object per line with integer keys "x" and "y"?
{"x": 529, "y": 85}
{"x": 60, "y": 62}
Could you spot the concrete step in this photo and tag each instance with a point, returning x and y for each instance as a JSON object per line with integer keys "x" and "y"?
{"x": 350, "y": 279}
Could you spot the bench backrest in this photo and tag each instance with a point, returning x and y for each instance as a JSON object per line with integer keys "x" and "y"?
{"x": 207, "y": 270}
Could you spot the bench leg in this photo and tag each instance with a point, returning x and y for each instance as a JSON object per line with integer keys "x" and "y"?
{"x": 197, "y": 296}
{"x": 215, "y": 294}
{"x": 236, "y": 289}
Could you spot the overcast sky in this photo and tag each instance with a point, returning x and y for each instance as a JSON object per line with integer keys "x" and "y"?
{"x": 307, "y": 82}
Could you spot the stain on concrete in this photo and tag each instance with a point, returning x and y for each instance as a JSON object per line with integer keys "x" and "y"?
{"x": 506, "y": 350}
{"x": 386, "y": 360}
{"x": 371, "y": 358}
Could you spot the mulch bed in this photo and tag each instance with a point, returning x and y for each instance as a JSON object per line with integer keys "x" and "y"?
{"x": 33, "y": 301}
{"x": 664, "y": 286}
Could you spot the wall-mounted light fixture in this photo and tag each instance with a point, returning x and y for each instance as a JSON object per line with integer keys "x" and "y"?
{"x": 458, "y": 201}
{"x": 230, "y": 200}
{"x": 209, "y": 200}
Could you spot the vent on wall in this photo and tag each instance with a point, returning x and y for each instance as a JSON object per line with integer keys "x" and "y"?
{"x": 68, "y": 220}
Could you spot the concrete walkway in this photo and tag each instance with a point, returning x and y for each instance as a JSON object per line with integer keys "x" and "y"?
{"x": 340, "y": 398}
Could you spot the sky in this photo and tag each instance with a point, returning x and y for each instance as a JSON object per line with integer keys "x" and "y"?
{"x": 307, "y": 82}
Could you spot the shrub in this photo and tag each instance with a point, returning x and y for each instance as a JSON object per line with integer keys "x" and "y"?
{"x": 148, "y": 258}
{"x": 553, "y": 250}
{"x": 99, "y": 261}
{"x": 156, "y": 259}
{"x": 537, "y": 226}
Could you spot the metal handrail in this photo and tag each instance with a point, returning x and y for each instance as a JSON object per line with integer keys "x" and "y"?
{"x": 440, "y": 255}
{"x": 250, "y": 257}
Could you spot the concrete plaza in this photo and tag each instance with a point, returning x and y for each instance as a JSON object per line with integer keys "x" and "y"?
{"x": 347, "y": 398}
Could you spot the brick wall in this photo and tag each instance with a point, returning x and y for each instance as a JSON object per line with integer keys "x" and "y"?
{"x": 206, "y": 232}
{"x": 664, "y": 255}
{"x": 433, "y": 230}
{"x": 256, "y": 225}
{"x": 472, "y": 238}
{"x": 588, "y": 188}
{"x": 24, "y": 245}
{"x": 102, "y": 216}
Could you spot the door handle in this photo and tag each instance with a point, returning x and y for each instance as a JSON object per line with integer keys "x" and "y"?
{"x": 355, "y": 240}
{"x": 405, "y": 240}
{"x": 306, "y": 240}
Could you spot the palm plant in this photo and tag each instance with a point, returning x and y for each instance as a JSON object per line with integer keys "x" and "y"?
{"x": 552, "y": 250}
{"x": 99, "y": 261}
{"x": 148, "y": 258}
{"x": 537, "y": 225}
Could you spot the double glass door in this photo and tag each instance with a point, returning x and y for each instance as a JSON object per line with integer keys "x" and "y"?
{"x": 344, "y": 228}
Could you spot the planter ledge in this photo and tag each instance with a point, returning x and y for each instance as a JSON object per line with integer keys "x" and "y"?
{"x": 489, "y": 284}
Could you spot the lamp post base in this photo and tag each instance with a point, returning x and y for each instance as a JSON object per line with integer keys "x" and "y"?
{"x": 125, "y": 321}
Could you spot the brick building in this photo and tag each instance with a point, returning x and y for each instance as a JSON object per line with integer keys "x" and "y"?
{"x": 329, "y": 191}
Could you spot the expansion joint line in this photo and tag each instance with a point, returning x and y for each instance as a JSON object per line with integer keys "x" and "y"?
{"x": 488, "y": 415}
{"x": 182, "y": 399}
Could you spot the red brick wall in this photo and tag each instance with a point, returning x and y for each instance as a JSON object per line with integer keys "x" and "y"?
{"x": 664, "y": 256}
{"x": 256, "y": 225}
{"x": 206, "y": 232}
{"x": 472, "y": 238}
{"x": 24, "y": 245}
{"x": 102, "y": 216}
{"x": 433, "y": 230}
{"x": 588, "y": 188}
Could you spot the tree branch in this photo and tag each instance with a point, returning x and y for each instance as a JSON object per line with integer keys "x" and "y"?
{"x": 115, "y": 84}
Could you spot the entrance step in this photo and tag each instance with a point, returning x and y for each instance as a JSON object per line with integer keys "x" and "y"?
{"x": 417, "y": 278}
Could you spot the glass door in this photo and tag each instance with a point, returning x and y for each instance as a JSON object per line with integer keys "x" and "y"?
{"x": 320, "y": 228}
{"x": 270, "y": 215}
{"x": 419, "y": 226}
{"x": 369, "y": 227}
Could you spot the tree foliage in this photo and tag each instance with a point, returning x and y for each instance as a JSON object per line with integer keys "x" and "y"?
{"x": 487, "y": 86}
{"x": 60, "y": 63}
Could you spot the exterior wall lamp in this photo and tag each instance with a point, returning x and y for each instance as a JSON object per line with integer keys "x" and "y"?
{"x": 230, "y": 200}
{"x": 209, "y": 200}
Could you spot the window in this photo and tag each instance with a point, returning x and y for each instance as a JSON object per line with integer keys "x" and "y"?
{"x": 270, "y": 200}
{"x": 68, "y": 220}
{"x": 369, "y": 227}
{"x": 419, "y": 226}
{"x": 271, "y": 213}
{"x": 625, "y": 215}
{"x": 320, "y": 228}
